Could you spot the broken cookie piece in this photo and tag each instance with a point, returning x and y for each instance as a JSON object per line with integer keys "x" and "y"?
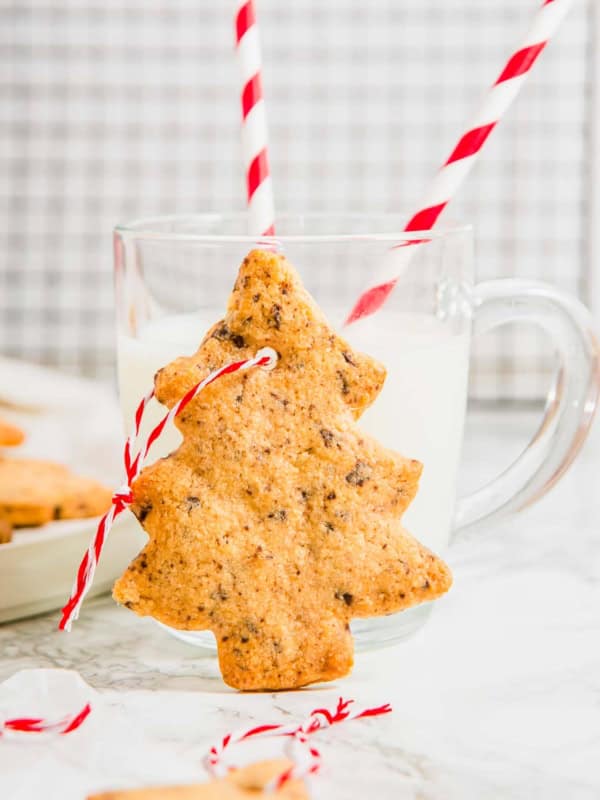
{"x": 246, "y": 783}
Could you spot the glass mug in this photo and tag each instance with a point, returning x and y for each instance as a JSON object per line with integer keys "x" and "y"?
{"x": 173, "y": 276}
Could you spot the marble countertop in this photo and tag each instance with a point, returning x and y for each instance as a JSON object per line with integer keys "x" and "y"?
{"x": 497, "y": 697}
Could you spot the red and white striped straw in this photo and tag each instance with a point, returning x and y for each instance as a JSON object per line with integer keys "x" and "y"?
{"x": 259, "y": 186}
{"x": 462, "y": 159}
{"x": 39, "y": 725}
{"x": 266, "y": 358}
{"x": 305, "y": 757}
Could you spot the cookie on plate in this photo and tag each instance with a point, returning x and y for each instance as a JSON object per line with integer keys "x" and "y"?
{"x": 240, "y": 784}
{"x": 277, "y": 520}
{"x": 35, "y": 492}
{"x": 5, "y": 531}
{"x": 10, "y": 435}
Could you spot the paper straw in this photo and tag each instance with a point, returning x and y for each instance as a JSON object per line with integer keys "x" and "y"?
{"x": 259, "y": 187}
{"x": 462, "y": 159}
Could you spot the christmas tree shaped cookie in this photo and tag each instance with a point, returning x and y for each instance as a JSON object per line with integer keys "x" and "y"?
{"x": 277, "y": 520}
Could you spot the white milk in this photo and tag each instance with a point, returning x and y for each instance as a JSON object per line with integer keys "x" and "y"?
{"x": 138, "y": 360}
{"x": 420, "y": 411}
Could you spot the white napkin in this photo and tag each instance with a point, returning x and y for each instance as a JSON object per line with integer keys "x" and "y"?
{"x": 109, "y": 751}
{"x": 67, "y": 419}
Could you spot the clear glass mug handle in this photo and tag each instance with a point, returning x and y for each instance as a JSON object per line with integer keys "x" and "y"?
{"x": 570, "y": 405}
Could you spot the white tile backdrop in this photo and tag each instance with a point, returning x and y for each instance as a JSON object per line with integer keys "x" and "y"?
{"x": 113, "y": 109}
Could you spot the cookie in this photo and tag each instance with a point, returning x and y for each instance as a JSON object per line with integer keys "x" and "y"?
{"x": 277, "y": 520}
{"x": 10, "y": 435}
{"x": 5, "y": 531}
{"x": 36, "y": 492}
{"x": 247, "y": 782}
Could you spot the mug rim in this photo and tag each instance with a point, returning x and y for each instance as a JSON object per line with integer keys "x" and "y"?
{"x": 148, "y": 228}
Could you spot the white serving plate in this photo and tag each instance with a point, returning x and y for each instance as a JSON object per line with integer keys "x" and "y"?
{"x": 38, "y": 567}
{"x": 78, "y": 423}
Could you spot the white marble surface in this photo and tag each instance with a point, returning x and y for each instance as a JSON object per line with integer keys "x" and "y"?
{"x": 497, "y": 697}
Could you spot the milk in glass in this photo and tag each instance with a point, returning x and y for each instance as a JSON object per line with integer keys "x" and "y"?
{"x": 419, "y": 413}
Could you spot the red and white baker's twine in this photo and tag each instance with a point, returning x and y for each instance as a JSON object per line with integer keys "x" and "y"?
{"x": 305, "y": 757}
{"x": 254, "y": 122}
{"x": 122, "y": 498}
{"x": 462, "y": 159}
{"x": 38, "y": 725}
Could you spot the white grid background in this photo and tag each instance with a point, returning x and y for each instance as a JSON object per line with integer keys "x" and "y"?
{"x": 113, "y": 109}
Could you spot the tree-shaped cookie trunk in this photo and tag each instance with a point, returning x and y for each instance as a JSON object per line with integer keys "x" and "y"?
{"x": 277, "y": 520}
